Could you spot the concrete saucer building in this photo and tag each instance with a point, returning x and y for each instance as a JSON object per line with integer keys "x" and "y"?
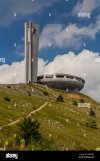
{"x": 59, "y": 80}
{"x": 62, "y": 81}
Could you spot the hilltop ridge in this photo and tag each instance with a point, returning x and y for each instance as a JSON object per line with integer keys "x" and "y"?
{"x": 63, "y": 125}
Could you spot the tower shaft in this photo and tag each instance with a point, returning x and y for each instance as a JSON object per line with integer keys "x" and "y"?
{"x": 31, "y": 51}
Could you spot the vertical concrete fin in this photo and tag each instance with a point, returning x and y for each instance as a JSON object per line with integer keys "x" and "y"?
{"x": 31, "y": 51}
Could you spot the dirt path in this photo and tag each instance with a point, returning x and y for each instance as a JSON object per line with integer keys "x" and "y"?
{"x": 18, "y": 120}
{"x": 37, "y": 109}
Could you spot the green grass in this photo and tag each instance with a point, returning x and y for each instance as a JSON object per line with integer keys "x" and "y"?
{"x": 62, "y": 124}
{"x": 19, "y": 106}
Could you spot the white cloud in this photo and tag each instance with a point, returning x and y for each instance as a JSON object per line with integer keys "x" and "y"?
{"x": 86, "y": 6}
{"x": 14, "y": 73}
{"x": 20, "y": 8}
{"x": 41, "y": 66}
{"x": 59, "y": 35}
{"x": 86, "y": 62}
{"x": 67, "y": 36}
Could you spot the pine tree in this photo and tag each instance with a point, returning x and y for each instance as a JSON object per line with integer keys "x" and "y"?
{"x": 29, "y": 130}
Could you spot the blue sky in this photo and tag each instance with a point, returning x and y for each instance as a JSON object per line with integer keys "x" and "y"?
{"x": 13, "y": 14}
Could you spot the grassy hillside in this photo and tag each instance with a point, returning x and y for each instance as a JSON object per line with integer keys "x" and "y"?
{"x": 63, "y": 125}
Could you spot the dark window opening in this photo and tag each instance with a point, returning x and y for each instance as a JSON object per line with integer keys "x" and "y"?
{"x": 70, "y": 77}
{"x": 49, "y": 76}
{"x": 60, "y": 76}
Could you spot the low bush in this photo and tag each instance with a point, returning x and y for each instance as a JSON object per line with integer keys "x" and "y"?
{"x": 45, "y": 93}
{"x": 92, "y": 124}
{"x": 8, "y": 86}
{"x": 75, "y": 103}
{"x": 91, "y": 112}
{"x": 29, "y": 93}
{"x": 82, "y": 100}
{"x": 60, "y": 98}
{"x": 7, "y": 99}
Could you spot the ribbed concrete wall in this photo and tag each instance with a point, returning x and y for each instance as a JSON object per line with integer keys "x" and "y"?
{"x": 72, "y": 83}
{"x": 31, "y": 51}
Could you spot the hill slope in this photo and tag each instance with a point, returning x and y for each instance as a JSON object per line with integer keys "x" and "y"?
{"x": 63, "y": 125}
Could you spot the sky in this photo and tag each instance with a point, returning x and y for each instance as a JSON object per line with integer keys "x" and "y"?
{"x": 69, "y": 39}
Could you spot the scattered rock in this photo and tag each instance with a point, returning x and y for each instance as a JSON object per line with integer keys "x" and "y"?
{"x": 32, "y": 90}
{"x": 97, "y": 149}
{"x": 50, "y": 135}
{"x": 67, "y": 120}
{"x": 66, "y": 149}
{"x": 82, "y": 130}
{"x": 84, "y": 135}
{"x": 14, "y": 135}
{"x": 78, "y": 124}
{"x": 10, "y": 120}
{"x": 49, "y": 104}
{"x": 15, "y": 104}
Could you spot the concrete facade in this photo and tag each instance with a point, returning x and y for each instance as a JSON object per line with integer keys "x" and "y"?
{"x": 31, "y": 51}
{"x": 69, "y": 83}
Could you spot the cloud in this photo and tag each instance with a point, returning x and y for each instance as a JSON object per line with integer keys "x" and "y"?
{"x": 12, "y": 74}
{"x": 21, "y": 8}
{"x": 86, "y": 6}
{"x": 59, "y": 35}
{"x": 86, "y": 65}
{"x": 41, "y": 66}
{"x": 15, "y": 73}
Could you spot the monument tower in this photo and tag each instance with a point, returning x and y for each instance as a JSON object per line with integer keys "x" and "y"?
{"x": 31, "y": 51}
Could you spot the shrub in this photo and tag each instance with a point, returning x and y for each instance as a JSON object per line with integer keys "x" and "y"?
{"x": 7, "y": 99}
{"x": 91, "y": 112}
{"x": 29, "y": 130}
{"x": 92, "y": 124}
{"x": 8, "y": 86}
{"x": 75, "y": 103}
{"x": 60, "y": 98}
{"x": 29, "y": 93}
{"x": 45, "y": 93}
{"x": 82, "y": 100}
